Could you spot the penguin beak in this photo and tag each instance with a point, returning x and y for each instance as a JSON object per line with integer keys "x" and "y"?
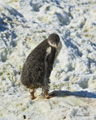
{"x": 55, "y": 45}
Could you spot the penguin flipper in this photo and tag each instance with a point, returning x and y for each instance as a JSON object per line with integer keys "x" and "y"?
{"x": 49, "y": 61}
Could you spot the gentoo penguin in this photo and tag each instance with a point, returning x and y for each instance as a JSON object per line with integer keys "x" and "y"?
{"x": 39, "y": 64}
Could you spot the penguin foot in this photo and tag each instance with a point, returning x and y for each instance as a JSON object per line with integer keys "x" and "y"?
{"x": 50, "y": 95}
{"x": 32, "y": 94}
{"x": 32, "y": 97}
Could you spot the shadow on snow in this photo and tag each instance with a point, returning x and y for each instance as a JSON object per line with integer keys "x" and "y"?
{"x": 85, "y": 94}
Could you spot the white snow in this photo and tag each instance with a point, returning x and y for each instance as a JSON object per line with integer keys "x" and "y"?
{"x": 23, "y": 25}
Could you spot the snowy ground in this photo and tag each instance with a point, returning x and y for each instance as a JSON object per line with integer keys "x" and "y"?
{"x": 23, "y": 25}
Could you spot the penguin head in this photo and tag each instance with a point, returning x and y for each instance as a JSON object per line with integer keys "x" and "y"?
{"x": 54, "y": 40}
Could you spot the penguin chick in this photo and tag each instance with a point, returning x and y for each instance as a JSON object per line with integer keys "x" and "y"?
{"x": 39, "y": 64}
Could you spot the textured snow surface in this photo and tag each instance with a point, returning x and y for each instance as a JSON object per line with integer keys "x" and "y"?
{"x": 23, "y": 25}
